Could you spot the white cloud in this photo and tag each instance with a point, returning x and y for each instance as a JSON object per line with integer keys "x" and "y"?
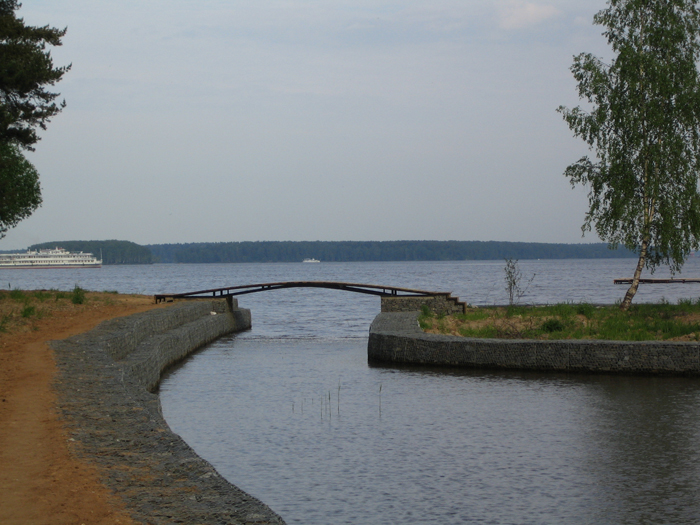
{"x": 516, "y": 14}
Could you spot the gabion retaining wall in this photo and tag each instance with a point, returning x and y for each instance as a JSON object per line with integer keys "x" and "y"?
{"x": 397, "y": 338}
{"x": 438, "y": 304}
{"x": 105, "y": 383}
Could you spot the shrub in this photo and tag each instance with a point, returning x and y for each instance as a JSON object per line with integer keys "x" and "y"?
{"x": 552, "y": 325}
{"x": 513, "y": 278}
{"x": 78, "y": 295}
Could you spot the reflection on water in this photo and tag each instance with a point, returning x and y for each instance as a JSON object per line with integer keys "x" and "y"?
{"x": 303, "y": 425}
{"x": 647, "y": 430}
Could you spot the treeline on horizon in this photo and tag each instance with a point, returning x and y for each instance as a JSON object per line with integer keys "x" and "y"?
{"x": 359, "y": 251}
{"x": 113, "y": 252}
{"x": 127, "y": 252}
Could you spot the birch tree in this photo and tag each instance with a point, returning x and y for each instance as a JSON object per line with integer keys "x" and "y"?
{"x": 642, "y": 124}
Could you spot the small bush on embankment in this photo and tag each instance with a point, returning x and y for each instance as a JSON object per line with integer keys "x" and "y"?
{"x": 643, "y": 322}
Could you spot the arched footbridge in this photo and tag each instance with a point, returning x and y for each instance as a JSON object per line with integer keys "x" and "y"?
{"x": 394, "y": 298}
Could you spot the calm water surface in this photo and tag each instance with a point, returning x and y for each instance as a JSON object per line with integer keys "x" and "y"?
{"x": 292, "y": 413}
{"x": 303, "y": 425}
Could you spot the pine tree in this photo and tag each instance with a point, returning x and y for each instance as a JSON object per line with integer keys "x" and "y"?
{"x": 20, "y": 193}
{"x": 26, "y": 70}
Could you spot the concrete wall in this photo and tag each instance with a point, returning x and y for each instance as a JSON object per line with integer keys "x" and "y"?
{"x": 105, "y": 383}
{"x": 397, "y": 338}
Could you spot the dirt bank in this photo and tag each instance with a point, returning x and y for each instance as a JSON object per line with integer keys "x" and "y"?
{"x": 41, "y": 481}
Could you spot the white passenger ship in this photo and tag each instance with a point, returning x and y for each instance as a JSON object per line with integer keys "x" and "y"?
{"x": 58, "y": 258}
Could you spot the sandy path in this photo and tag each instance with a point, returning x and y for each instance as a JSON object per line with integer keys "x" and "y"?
{"x": 41, "y": 481}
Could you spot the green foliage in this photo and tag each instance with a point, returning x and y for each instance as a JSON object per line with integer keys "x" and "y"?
{"x": 17, "y": 295}
{"x": 644, "y": 127}
{"x": 20, "y": 193}
{"x": 77, "y": 295}
{"x": 425, "y": 319}
{"x": 113, "y": 251}
{"x": 585, "y": 309}
{"x": 552, "y": 325}
{"x": 27, "y": 69}
{"x": 563, "y": 310}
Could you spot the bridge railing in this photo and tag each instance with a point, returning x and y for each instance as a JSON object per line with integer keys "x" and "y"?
{"x": 394, "y": 298}
{"x": 371, "y": 289}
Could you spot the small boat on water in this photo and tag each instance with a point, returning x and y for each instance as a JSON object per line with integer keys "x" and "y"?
{"x": 311, "y": 261}
{"x": 45, "y": 259}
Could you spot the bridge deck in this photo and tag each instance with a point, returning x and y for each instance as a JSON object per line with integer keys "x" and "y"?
{"x": 371, "y": 289}
{"x": 658, "y": 281}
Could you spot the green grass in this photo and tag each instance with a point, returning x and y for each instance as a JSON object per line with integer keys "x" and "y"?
{"x": 642, "y": 322}
{"x": 475, "y": 314}
{"x": 42, "y": 295}
{"x": 28, "y": 311}
{"x": 17, "y": 295}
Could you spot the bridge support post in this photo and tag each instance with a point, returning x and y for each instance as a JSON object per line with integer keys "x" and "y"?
{"x": 231, "y": 303}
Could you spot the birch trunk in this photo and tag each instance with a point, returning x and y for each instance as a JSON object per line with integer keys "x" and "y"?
{"x": 627, "y": 301}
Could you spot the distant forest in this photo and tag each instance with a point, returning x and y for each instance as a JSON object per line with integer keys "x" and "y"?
{"x": 113, "y": 252}
{"x": 355, "y": 251}
{"x": 126, "y": 252}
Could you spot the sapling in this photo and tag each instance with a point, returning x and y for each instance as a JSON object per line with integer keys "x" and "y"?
{"x": 513, "y": 279}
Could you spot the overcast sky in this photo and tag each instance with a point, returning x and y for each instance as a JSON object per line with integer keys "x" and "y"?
{"x": 250, "y": 120}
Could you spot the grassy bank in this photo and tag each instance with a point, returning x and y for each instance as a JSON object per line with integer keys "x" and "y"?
{"x": 21, "y": 309}
{"x": 643, "y": 322}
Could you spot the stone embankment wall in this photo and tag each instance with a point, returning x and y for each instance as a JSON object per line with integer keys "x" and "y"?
{"x": 397, "y": 338}
{"x": 438, "y": 304}
{"x": 105, "y": 384}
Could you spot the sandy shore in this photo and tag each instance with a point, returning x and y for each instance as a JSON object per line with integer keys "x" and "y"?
{"x": 41, "y": 481}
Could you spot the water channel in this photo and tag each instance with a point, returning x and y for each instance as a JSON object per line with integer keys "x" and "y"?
{"x": 292, "y": 413}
